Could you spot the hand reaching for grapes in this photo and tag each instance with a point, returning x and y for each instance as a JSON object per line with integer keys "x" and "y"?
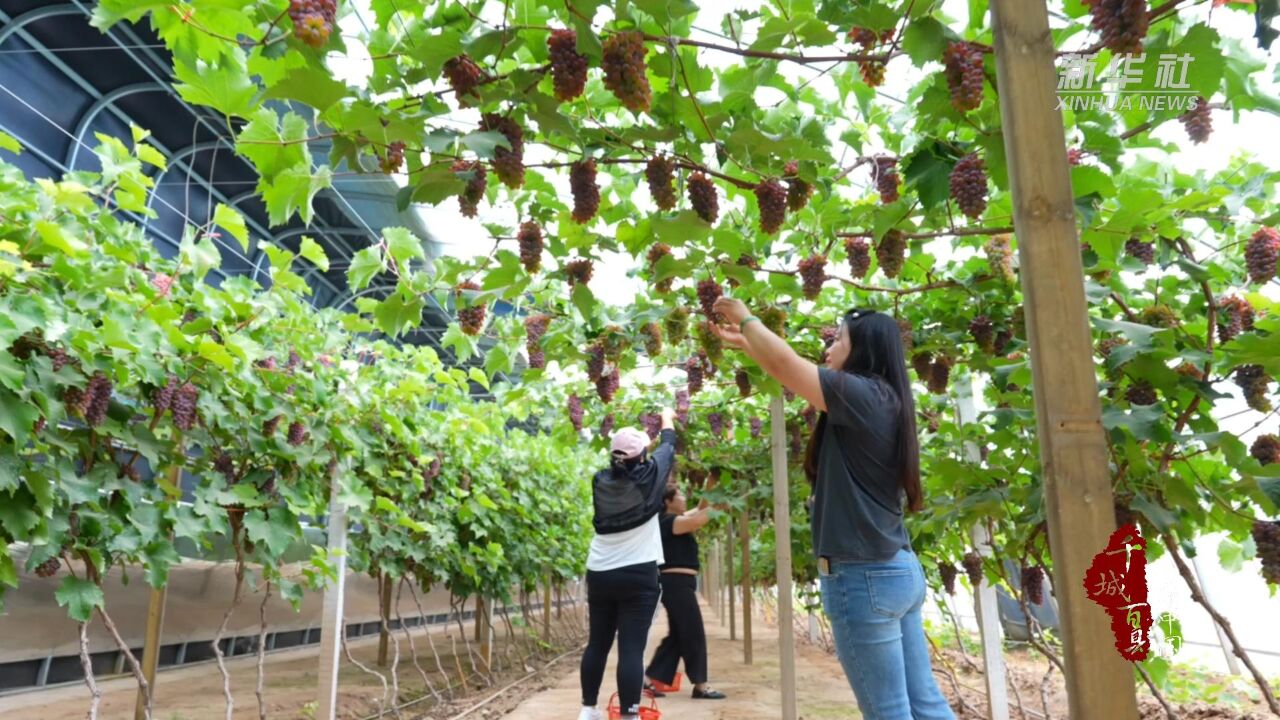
{"x": 734, "y": 311}
{"x": 668, "y": 418}
{"x": 730, "y": 336}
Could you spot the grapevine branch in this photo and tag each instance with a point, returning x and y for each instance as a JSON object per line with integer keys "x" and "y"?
{"x": 770, "y": 55}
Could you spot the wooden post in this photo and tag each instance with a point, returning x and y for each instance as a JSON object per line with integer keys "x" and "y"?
{"x": 987, "y": 605}
{"x": 151, "y": 648}
{"x": 478, "y": 618}
{"x": 384, "y": 635}
{"x": 1073, "y": 451}
{"x": 546, "y": 608}
{"x": 745, "y": 536}
{"x": 332, "y": 625}
{"x": 732, "y": 588}
{"x": 782, "y": 544}
{"x": 484, "y": 631}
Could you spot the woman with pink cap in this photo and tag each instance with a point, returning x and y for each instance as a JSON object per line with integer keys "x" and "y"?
{"x": 622, "y": 565}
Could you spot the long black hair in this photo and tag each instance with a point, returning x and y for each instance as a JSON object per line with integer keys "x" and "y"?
{"x": 875, "y": 342}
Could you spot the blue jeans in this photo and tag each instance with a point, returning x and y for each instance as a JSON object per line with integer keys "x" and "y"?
{"x": 874, "y": 608}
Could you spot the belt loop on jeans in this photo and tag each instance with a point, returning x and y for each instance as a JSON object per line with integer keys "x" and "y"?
{"x": 824, "y": 565}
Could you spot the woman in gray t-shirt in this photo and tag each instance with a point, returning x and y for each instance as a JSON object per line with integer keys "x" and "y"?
{"x": 863, "y": 460}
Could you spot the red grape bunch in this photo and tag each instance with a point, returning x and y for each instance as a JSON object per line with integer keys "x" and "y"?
{"x": 708, "y": 292}
{"x": 313, "y": 20}
{"x": 1266, "y": 536}
{"x": 757, "y": 426}
{"x": 477, "y": 182}
{"x": 607, "y": 386}
{"x": 1255, "y": 383}
{"x": 579, "y": 271}
{"x": 872, "y": 70}
{"x": 162, "y": 398}
{"x": 652, "y": 334}
{"x": 393, "y": 160}
{"x": 743, "y": 380}
{"x": 922, "y": 363}
{"x": 508, "y": 163}
{"x": 859, "y": 253}
{"x": 606, "y": 425}
{"x": 1261, "y": 254}
{"x": 1198, "y": 121}
{"x": 1266, "y": 449}
{"x": 575, "y": 412}
{"x": 1121, "y": 23}
{"x": 535, "y": 326}
{"x": 1141, "y": 392}
{"x": 969, "y": 185}
{"x": 185, "y": 410}
{"x": 624, "y": 70}
{"x": 682, "y": 406}
{"x": 1000, "y": 257}
{"x": 530, "y": 239}
{"x": 1235, "y": 315}
{"x": 464, "y": 77}
{"x": 297, "y": 433}
{"x": 652, "y": 424}
{"x": 885, "y": 170}
{"x": 963, "y": 63}
{"x": 656, "y": 253}
{"x": 693, "y": 368}
{"x": 939, "y": 374}
{"x": 595, "y": 361}
{"x": 715, "y": 421}
{"x": 983, "y": 332}
{"x": 948, "y": 573}
{"x": 891, "y": 252}
{"x": 813, "y": 273}
{"x": 586, "y": 192}
{"x": 660, "y": 173}
{"x": 1033, "y": 584}
{"x": 471, "y": 317}
{"x": 972, "y": 563}
{"x": 97, "y": 399}
{"x": 1143, "y": 252}
{"x": 1075, "y": 156}
{"x": 772, "y": 199}
{"x": 798, "y": 190}
{"x": 568, "y": 66}
{"x": 703, "y": 197}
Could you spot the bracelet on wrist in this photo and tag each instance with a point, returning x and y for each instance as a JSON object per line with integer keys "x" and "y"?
{"x": 742, "y": 326}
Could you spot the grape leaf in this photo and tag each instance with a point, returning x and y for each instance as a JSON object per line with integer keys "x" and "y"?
{"x": 80, "y": 597}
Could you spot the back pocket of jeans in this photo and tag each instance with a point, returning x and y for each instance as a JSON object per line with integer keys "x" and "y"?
{"x": 892, "y": 592}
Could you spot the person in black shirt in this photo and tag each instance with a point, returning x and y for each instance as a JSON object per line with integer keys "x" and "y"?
{"x": 686, "y": 637}
{"x": 863, "y": 461}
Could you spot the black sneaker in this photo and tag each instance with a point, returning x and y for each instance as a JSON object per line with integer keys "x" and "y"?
{"x": 653, "y": 692}
{"x": 707, "y": 694}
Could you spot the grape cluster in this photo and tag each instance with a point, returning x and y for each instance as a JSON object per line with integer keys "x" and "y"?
{"x": 508, "y": 163}
{"x": 1143, "y": 252}
{"x": 922, "y": 363}
{"x": 683, "y": 406}
{"x": 906, "y": 333}
{"x": 607, "y": 386}
{"x": 963, "y": 63}
{"x": 969, "y": 185}
{"x": 798, "y": 190}
{"x": 606, "y": 425}
{"x": 652, "y": 424}
{"x": 568, "y": 66}
{"x": 535, "y": 326}
{"x": 859, "y": 253}
{"x": 813, "y": 273}
{"x": 393, "y": 159}
{"x": 983, "y": 331}
{"x": 939, "y": 374}
{"x": 530, "y": 239}
{"x": 313, "y": 20}
{"x": 1198, "y": 121}
{"x": 948, "y": 573}
{"x": 660, "y": 173}
{"x": 162, "y": 398}
{"x": 471, "y": 317}
{"x": 693, "y": 369}
{"x": 1254, "y": 381}
{"x": 185, "y": 400}
{"x": 972, "y": 563}
{"x": 656, "y": 253}
{"x": 477, "y": 182}
{"x": 1141, "y": 392}
{"x": 715, "y": 421}
{"x": 1003, "y": 338}
{"x": 294, "y": 360}
{"x": 575, "y": 412}
{"x": 772, "y": 199}
{"x": 60, "y": 358}
{"x": 885, "y": 170}
{"x": 48, "y": 568}
{"x": 872, "y": 70}
{"x": 676, "y": 324}
{"x": 1266, "y": 536}
{"x": 1121, "y": 23}
{"x": 586, "y": 192}
{"x": 595, "y": 361}
{"x": 1000, "y": 257}
{"x": 297, "y": 433}
{"x": 223, "y": 464}
{"x": 1075, "y": 156}
{"x": 615, "y": 342}
{"x": 708, "y": 292}
{"x": 774, "y": 318}
{"x": 97, "y": 399}
{"x": 270, "y": 426}
{"x": 1159, "y": 315}
{"x": 757, "y": 426}
{"x": 624, "y": 71}
{"x": 1266, "y": 449}
{"x": 579, "y": 271}
{"x": 652, "y": 333}
{"x": 711, "y": 346}
{"x": 743, "y": 380}
{"x": 1261, "y": 253}
{"x": 464, "y": 76}
{"x": 1235, "y": 315}
{"x": 1033, "y": 584}
{"x": 1106, "y": 345}
{"x": 703, "y": 197}
{"x": 810, "y": 416}
{"x": 891, "y": 252}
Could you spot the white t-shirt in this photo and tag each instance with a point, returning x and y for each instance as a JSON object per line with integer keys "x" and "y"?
{"x": 630, "y": 547}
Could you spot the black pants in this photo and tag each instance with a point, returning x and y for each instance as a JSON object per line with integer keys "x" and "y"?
{"x": 619, "y": 602}
{"x": 686, "y": 638}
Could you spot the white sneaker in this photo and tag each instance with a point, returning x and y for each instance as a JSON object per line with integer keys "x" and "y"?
{"x": 590, "y": 713}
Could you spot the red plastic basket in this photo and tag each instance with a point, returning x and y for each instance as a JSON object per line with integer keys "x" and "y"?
{"x": 646, "y": 713}
{"x": 663, "y": 687}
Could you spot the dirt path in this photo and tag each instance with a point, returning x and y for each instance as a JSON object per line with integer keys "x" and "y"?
{"x": 752, "y": 689}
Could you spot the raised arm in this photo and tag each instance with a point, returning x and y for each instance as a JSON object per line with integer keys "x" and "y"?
{"x": 697, "y": 517}
{"x": 770, "y": 352}
{"x": 663, "y": 458}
